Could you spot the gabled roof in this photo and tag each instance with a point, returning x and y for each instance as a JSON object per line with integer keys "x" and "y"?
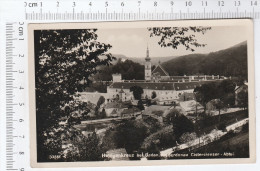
{"x": 159, "y": 69}
{"x": 113, "y": 112}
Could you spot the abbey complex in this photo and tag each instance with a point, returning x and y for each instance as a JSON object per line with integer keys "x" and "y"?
{"x": 168, "y": 89}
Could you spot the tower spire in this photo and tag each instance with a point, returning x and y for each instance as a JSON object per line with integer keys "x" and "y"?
{"x": 147, "y": 51}
{"x": 147, "y": 70}
{"x": 147, "y": 54}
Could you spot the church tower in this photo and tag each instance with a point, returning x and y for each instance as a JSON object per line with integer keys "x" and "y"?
{"x": 148, "y": 66}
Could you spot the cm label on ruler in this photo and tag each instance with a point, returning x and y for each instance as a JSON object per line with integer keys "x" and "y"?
{"x": 139, "y": 3}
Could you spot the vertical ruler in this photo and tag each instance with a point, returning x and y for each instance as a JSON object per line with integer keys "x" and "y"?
{"x": 9, "y": 96}
{"x": 15, "y": 93}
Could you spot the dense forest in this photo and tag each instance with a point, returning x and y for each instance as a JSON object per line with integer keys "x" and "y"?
{"x": 228, "y": 62}
{"x": 130, "y": 71}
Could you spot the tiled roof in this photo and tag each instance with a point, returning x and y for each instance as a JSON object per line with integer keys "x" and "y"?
{"x": 130, "y": 111}
{"x": 115, "y": 105}
{"x": 196, "y": 77}
{"x": 159, "y": 69}
{"x": 159, "y": 85}
{"x": 144, "y": 85}
{"x": 190, "y": 85}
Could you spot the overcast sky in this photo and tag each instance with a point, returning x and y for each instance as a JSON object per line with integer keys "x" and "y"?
{"x": 133, "y": 42}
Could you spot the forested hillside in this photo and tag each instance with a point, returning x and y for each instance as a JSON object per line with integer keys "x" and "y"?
{"x": 229, "y": 62}
{"x": 130, "y": 70}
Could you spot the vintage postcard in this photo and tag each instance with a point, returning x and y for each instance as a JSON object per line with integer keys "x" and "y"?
{"x": 141, "y": 93}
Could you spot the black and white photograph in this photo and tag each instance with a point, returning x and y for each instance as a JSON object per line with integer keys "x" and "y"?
{"x": 132, "y": 93}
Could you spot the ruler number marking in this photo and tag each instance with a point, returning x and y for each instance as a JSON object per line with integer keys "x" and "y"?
{"x": 254, "y": 3}
{"x": 237, "y": 3}
{"x": 221, "y": 3}
{"x": 188, "y": 3}
{"x": 139, "y": 3}
{"x": 155, "y": 3}
{"x": 204, "y": 3}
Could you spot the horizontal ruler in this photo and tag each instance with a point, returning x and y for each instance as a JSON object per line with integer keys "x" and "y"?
{"x": 138, "y": 16}
{"x": 115, "y": 10}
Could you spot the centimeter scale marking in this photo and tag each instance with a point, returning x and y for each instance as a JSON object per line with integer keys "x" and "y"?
{"x": 13, "y": 53}
{"x": 97, "y": 16}
{"x": 141, "y": 10}
{"x": 9, "y": 96}
{"x": 70, "y": 11}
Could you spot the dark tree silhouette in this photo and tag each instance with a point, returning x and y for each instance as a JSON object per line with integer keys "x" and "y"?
{"x": 181, "y": 124}
{"x": 64, "y": 61}
{"x": 154, "y": 95}
{"x": 205, "y": 93}
{"x": 103, "y": 113}
{"x": 221, "y": 93}
{"x": 130, "y": 135}
{"x": 226, "y": 91}
{"x": 137, "y": 92}
{"x": 140, "y": 105}
{"x": 242, "y": 99}
{"x": 176, "y": 36}
{"x": 100, "y": 101}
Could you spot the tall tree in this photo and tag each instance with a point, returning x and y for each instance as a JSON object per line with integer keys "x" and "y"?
{"x": 176, "y": 36}
{"x": 100, "y": 101}
{"x": 137, "y": 92}
{"x": 181, "y": 124}
{"x": 242, "y": 99}
{"x": 226, "y": 92}
{"x": 205, "y": 93}
{"x": 64, "y": 61}
{"x": 218, "y": 105}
